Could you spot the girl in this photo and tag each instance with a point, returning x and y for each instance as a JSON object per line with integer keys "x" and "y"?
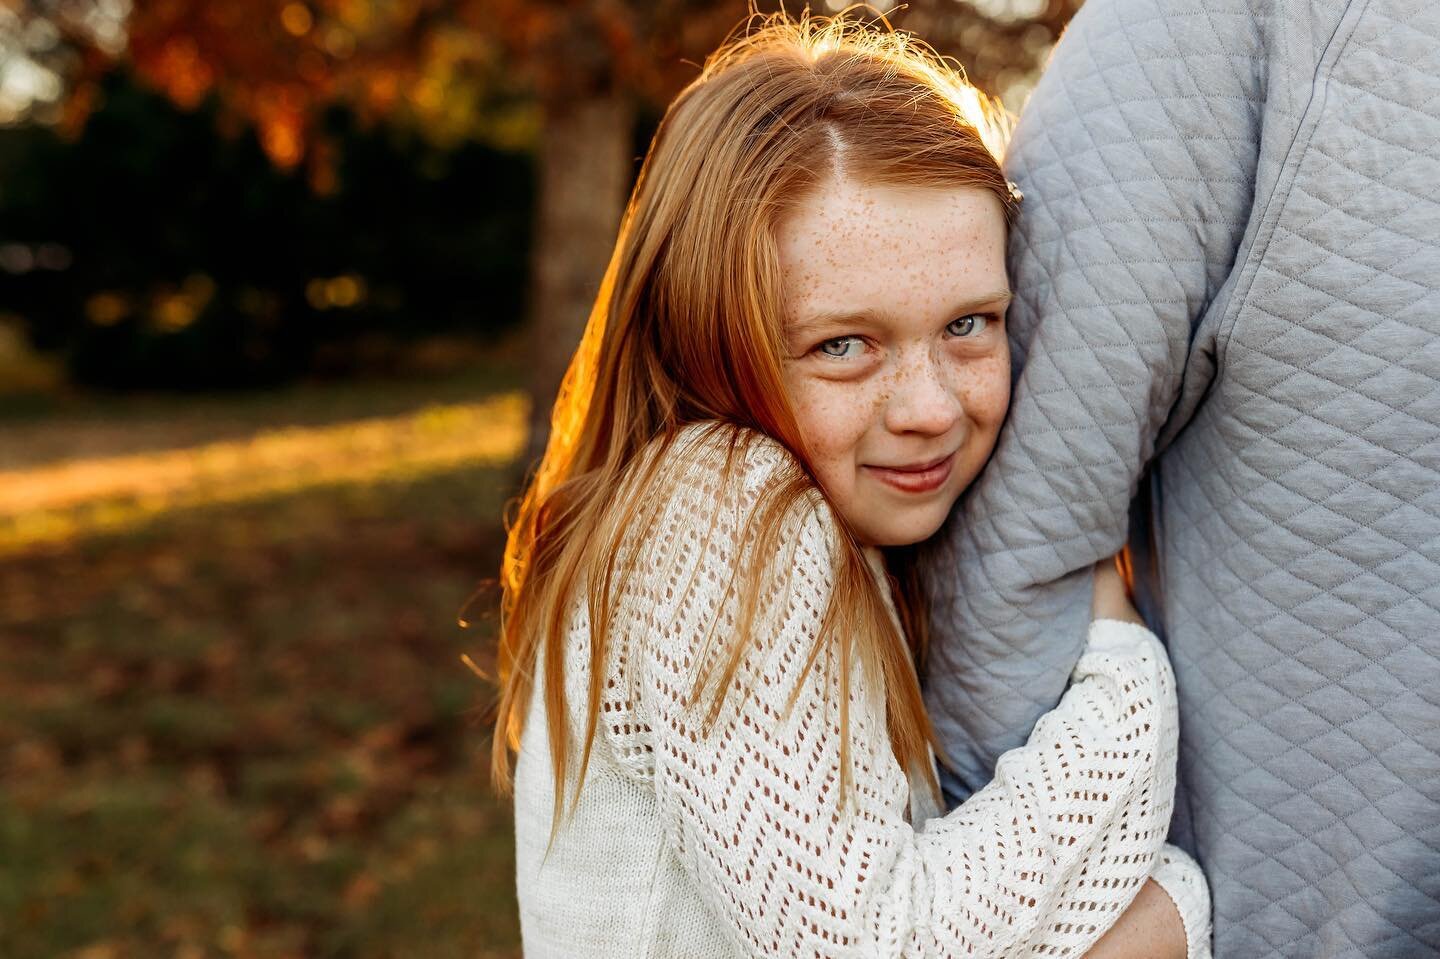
{"x": 796, "y": 362}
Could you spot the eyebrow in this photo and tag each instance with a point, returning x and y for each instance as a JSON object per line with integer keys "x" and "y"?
{"x": 843, "y": 317}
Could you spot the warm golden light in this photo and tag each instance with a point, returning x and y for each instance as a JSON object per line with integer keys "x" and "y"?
{"x": 186, "y": 74}
{"x": 174, "y": 310}
{"x": 972, "y": 107}
{"x": 283, "y": 139}
{"x": 107, "y": 309}
{"x": 85, "y": 497}
{"x": 345, "y": 291}
{"x": 296, "y": 19}
{"x": 339, "y": 292}
{"x": 338, "y": 42}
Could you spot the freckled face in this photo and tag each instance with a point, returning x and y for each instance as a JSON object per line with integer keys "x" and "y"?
{"x": 897, "y": 363}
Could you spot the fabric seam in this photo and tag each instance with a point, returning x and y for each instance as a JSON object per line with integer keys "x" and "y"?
{"x": 1289, "y": 171}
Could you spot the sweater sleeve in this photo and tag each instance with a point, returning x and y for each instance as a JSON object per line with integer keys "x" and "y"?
{"x": 1181, "y": 878}
{"x": 1039, "y": 862}
{"x": 1138, "y": 156}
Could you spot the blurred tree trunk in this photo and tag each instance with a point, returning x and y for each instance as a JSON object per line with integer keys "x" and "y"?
{"x": 584, "y": 177}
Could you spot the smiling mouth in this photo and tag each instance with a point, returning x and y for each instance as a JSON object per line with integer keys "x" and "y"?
{"x": 918, "y": 478}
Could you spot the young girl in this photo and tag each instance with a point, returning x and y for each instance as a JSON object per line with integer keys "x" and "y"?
{"x": 797, "y": 361}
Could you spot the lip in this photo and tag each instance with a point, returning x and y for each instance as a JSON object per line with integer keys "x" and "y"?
{"x": 917, "y": 478}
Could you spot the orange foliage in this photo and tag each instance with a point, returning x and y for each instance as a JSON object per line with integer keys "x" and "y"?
{"x": 276, "y": 63}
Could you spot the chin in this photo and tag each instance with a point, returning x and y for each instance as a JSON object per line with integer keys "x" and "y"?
{"x": 906, "y": 530}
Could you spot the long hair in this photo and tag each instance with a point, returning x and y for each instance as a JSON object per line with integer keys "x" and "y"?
{"x": 686, "y": 328}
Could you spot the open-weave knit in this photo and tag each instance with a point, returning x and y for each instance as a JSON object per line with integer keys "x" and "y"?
{"x": 723, "y": 839}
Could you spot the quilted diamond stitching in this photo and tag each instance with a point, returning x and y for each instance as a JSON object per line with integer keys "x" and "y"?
{"x": 1300, "y": 506}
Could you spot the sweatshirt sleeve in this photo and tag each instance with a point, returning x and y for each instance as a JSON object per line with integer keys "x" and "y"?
{"x": 1039, "y": 862}
{"x": 1137, "y": 156}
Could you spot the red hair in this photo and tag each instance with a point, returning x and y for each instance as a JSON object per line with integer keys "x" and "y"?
{"x": 686, "y": 328}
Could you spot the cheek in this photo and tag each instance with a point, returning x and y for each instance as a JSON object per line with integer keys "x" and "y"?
{"x": 985, "y": 391}
{"x": 833, "y": 417}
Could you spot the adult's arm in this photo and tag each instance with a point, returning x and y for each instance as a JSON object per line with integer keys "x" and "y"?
{"x": 1137, "y": 155}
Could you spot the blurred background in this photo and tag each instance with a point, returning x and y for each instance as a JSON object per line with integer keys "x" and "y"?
{"x": 283, "y": 284}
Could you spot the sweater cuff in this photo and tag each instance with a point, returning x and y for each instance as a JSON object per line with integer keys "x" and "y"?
{"x": 1185, "y": 884}
{"x": 1118, "y": 636}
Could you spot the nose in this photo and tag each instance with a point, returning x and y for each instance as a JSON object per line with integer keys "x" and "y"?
{"x": 925, "y": 399}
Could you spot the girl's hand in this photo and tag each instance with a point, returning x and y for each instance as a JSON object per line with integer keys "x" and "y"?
{"x": 1112, "y": 597}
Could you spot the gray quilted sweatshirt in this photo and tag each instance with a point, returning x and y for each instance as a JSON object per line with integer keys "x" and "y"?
{"x": 1227, "y": 333}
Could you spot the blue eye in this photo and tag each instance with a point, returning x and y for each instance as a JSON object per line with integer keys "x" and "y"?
{"x": 843, "y": 347}
{"x": 970, "y": 325}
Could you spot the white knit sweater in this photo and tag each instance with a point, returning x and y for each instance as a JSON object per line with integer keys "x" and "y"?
{"x": 727, "y": 840}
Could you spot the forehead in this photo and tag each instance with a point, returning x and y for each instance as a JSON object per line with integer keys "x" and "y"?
{"x": 902, "y": 250}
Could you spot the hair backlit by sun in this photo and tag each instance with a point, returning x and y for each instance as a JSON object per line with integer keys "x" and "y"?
{"x": 846, "y": 35}
{"x": 686, "y": 329}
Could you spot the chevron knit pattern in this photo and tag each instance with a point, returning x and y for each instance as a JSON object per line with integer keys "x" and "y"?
{"x": 730, "y": 838}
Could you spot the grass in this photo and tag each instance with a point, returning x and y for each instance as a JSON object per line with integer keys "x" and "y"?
{"x": 237, "y": 724}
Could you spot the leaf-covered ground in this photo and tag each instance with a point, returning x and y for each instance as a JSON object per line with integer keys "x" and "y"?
{"x": 238, "y": 724}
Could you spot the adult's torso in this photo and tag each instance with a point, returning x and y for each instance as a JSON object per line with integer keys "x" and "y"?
{"x": 1297, "y": 509}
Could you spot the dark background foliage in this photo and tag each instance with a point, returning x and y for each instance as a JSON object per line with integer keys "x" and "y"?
{"x": 150, "y": 196}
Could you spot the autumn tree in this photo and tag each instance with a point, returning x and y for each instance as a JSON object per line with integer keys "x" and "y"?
{"x": 578, "y": 71}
